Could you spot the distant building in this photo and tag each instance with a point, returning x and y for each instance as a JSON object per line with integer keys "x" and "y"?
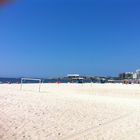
{"x": 138, "y": 73}
{"x": 75, "y": 78}
{"x": 122, "y": 75}
{"x": 73, "y": 75}
{"x": 126, "y": 75}
{"x": 135, "y": 75}
{"x": 130, "y": 75}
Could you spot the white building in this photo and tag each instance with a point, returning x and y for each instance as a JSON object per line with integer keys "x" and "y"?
{"x": 73, "y": 75}
{"x": 134, "y": 75}
{"x": 138, "y": 73}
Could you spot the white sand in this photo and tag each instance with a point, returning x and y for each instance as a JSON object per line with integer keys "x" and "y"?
{"x": 70, "y": 112}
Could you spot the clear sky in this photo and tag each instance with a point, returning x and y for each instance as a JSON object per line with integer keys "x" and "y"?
{"x": 42, "y": 38}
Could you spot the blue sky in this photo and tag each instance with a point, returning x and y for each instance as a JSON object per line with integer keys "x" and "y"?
{"x": 54, "y": 37}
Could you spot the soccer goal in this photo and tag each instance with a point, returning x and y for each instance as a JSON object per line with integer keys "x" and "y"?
{"x": 30, "y": 81}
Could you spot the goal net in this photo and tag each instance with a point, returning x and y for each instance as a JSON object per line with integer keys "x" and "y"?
{"x": 30, "y": 84}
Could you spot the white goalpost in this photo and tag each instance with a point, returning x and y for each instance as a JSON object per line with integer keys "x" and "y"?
{"x": 30, "y": 79}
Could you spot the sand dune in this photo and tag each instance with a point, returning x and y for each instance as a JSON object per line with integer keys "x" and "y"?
{"x": 70, "y": 112}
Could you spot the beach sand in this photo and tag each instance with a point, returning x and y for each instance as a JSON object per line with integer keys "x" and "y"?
{"x": 70, "y": 112}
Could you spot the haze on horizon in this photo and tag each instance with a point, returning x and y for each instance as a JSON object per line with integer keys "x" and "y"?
{"x": 54, "y": 38}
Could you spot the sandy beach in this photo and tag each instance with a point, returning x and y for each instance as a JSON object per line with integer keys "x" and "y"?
{"x": 70, "y": 112}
